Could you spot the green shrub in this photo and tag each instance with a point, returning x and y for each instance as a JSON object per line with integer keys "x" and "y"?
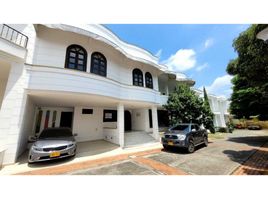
{"x": 221, "y": 129}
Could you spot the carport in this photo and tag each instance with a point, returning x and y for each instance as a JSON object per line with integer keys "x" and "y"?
{"x": 84, "y": 150}
{"x": 91, "y": 117}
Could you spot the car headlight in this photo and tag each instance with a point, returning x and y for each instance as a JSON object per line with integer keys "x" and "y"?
{"x": 181, "y": 137}
{"x": 37, "y": 148}
{"x": 70, "y": 145}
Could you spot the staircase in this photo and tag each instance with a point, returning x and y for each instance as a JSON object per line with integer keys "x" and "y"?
{"x": 137, "y": 138}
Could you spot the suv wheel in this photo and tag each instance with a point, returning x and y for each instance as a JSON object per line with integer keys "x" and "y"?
{"x": 191, "y": 147}
{"x": 166, "y": 147}
{"x": 206, "y": 141}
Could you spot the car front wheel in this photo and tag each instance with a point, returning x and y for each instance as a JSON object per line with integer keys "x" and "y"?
{"x": 206, "y": 141}
{"x": 191, "y": 147}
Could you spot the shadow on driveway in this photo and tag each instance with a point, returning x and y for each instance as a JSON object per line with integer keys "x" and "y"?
{"x": 254, "y": 141}
{"x": 254, "y": 162}
{"x": 239, "y": 156}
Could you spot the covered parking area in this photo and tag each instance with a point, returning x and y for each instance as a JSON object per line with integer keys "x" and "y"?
{"x": 96, "y": 120}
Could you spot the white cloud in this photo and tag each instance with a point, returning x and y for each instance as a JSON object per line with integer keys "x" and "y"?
{"x": 183, "y": 60}
{"x": 221, "y": 86}
{"x": 158, "y": 53}
{"x": 208, "y": 43}
{"x": 201, "y": 67}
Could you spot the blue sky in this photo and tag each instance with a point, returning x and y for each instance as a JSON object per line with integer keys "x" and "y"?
{"x": 202, "y": 52}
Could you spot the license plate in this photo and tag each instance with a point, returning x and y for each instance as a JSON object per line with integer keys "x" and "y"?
{"x": 170, "y": 143}
{"x": 54, "y": 154}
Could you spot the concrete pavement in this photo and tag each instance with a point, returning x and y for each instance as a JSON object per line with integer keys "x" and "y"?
{"x": 221, "y": 157}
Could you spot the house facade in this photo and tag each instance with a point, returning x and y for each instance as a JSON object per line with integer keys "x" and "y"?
{"x": 78, "y": 76}
{"x": 219, "y": 106}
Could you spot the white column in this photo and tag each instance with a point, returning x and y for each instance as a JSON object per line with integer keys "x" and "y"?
{"x": 12, "y": 111}
{"x": 223, "y": 124}
{"x": 155, "y": 123}
{"x": 167, "y": 91}
{"x": 120, "y": 124}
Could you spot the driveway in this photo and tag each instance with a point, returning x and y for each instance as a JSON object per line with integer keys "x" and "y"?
{"x": 221, "y": 157}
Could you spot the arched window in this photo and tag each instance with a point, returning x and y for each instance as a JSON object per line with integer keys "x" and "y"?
{"x": 98, "y": 64}
{"x": 148, "y": 80}
{"x": 137, "y": 77}
{"x": 76, "y": 58}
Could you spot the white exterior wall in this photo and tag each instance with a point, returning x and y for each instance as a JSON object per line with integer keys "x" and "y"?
{"x": 12, "y": 111}
{"x": 27, "y": 126}
{"x": 51, "y": 51}
{"x": 111, "y": 135}
{"x": 140, "y": 120}
{"x": 88, "y": 126}
{"x": 43, "y": 78}
{"x": 218, "y": 106}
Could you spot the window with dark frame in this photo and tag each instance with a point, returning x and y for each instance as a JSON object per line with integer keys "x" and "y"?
{"x": 98, "y": 64}
{"x": 137, "y": 77}
{"x": 148, "y": 80}
{"x": 109, "y": 115}
{"x": 86, "y": 111}
{"x": 76, "y": 58}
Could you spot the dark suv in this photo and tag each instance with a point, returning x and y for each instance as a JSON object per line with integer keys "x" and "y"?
{"x": 187, "y": 136}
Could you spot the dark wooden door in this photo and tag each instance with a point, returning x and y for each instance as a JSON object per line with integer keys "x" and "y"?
{"x": 66, "y": 119}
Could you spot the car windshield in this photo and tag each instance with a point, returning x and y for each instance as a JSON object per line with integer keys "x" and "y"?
{"x": 181, "y": 127}
{"x": 55, "y": 132}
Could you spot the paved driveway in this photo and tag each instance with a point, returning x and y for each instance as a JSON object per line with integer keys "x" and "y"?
{"x": 221, "y": 157}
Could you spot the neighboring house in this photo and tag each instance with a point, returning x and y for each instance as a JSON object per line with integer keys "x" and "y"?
{"x": 82, "y": 77}
{"x": 219, "y": 106}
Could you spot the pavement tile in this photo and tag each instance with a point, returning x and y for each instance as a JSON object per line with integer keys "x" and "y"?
{"x": 124, "y": 168}
{"x": 165, "y": 169}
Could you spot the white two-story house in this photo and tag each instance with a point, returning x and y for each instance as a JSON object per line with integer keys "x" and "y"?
{"x": 219, "y": 106}
{"x": 78, "y": 76}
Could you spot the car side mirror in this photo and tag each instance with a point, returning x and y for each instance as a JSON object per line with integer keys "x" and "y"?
{"x": 32, "y": 138}
{"x": 193, "y": 130}
{"x": 75, "y": 134}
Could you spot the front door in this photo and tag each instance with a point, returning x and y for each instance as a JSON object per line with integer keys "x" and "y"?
{"x": 127, "y": 120}
{"x": 66, "y": 119}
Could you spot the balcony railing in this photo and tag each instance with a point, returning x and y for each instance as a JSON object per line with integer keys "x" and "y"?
{"x": 12, "y": 35}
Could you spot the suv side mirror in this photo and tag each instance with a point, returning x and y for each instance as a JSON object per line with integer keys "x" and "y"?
{"x": 75, "y": 134}
{"x": 193, "y": 130}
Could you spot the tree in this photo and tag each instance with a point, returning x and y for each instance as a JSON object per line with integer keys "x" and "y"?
{"x": 184, "y": 106}
{"x": 207, "y": 115}
{"x": 250, "y": 71}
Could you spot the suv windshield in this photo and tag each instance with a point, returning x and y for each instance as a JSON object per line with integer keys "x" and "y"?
{"x": 184, "y": 128}
{"x": 55, "y": 132}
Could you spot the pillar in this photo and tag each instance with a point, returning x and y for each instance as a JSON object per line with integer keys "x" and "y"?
{"x": 12, "y": 112}
{"x": 120, "y": 124}
{"x": 155, "y": 122}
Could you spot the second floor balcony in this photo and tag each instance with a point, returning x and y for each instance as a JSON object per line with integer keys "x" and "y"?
{"x": 13, "y": 44}
{"x": 12, "y": 35}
